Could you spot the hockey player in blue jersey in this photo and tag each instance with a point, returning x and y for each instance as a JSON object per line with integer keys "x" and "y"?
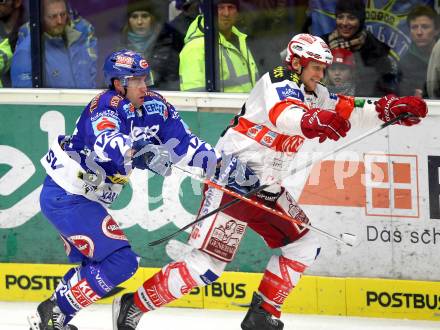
{"x": 125, "y": 127}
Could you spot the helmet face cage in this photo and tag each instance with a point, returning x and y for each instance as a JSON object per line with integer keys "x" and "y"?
{"x": 125, "y": 64}
{"x": 308, "y": 48}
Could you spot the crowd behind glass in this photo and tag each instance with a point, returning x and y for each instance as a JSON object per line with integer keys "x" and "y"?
{"x": 76, "y": 36}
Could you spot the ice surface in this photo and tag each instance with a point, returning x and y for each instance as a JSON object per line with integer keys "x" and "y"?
{"x": 98, "y": 317}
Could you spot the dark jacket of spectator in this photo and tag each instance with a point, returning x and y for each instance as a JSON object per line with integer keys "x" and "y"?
{"x": 165, "y": 57}
{"x": 68, "y": 62}
{"x": 376, "y": 72}
{"x": 424, "y": 27}
{"x": 412, "y": 71}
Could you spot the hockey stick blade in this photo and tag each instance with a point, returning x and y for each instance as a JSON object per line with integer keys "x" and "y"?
{"x": 300, "y": 168}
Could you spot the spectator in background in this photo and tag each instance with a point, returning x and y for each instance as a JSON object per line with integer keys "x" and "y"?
{"x": 424, "y": 28}
{"x": 69, "y": 57}
{"x": 340, "y": 74}
{"x": 11, "y": 18}
{"x": 376, "y": 74}
{"x": 270, "y": 25}
{"x": 237, "y": 68}
{"x": 141, "y": 30}
{"x": 165, "y": 57}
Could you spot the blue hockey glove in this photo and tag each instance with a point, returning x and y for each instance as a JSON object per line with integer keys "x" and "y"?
{"x": 235, "y": 175}
{"x": 155, "y": 158}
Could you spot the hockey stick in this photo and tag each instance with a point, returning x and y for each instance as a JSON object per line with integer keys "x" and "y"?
{"x": 293, "y": 172}
{"x": 346, "y": 238}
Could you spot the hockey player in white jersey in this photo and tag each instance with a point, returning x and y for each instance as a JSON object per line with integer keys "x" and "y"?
{"x": 287, "y": 107}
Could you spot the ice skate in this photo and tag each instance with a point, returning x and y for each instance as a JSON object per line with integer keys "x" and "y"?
{"x": 49, "y": 317}
{"x": 259, "y": 319}
{"x": 126, "y": 315}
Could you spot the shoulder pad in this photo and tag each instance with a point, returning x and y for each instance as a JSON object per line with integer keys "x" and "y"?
{"x": 281, "y": 73}
{"x": 95, "y": 101}
{"x": 107, "y": 100}
{"x": 155, "y": 95}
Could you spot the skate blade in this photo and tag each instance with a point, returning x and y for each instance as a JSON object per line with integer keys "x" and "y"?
{"x": 34, "y": 321}
{"x": 116, "y": 307}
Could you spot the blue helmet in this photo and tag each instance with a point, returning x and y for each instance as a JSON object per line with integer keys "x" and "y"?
{"x": 124, "y": 64}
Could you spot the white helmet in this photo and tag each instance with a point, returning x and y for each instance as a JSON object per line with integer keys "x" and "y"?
{"x": 307, "y": 48}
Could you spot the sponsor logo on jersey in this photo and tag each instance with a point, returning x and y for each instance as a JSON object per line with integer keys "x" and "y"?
{"x": 101, "y": 279}
{"x": 105, "y": 113}
{"x": 111, "y": 229}
{"x": 124, "y": 61}
{"x": 84, "y": 244}
{"x": 225, "y": 239}
{"x": 292, "y": 143}
{"x": 288, "y": 91}
{"x": 114, "y": 102}
{"x": 253, "y": 131}
{"x": 108, "y": 197}
{"x": 129, "y": 110}
{"x": 83, "y": 294}
{"x": 156, "y": 107}
{"x": 268, "y": 139}
{"x": 103, "y": 124}
{"x": 143, "y": 64}
{"x": 333, "y": 96}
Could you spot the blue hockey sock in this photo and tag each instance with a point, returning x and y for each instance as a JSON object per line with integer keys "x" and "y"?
{"x": 84, "y": 285}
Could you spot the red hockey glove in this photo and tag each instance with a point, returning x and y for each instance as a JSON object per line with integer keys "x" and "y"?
{"x": 391, "y": 106}
{"x": 324, "y": 124}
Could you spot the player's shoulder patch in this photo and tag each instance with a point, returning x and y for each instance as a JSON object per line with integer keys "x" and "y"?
{"x": 115, "y": 100}
{"x": 280, "y": 73}
{"x": 95, "y": 102}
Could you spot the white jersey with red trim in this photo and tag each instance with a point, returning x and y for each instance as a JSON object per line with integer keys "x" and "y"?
{"x": 267, "y": 132}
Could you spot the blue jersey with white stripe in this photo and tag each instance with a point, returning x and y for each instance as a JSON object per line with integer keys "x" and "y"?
{"x": 110, "y": 124}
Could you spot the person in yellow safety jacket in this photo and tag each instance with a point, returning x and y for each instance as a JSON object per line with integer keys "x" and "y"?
{"x": 5, "y": 57}
{"x": 237, "y": 69}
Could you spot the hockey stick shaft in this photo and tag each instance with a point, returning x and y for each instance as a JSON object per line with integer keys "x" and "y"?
{"x": 263, "y": 207}
{"x": 294, "y": 171}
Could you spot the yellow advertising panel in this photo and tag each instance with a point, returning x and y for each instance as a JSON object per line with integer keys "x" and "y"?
{"x": 384, "y": 298}
{"x": 393, "y": 298}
